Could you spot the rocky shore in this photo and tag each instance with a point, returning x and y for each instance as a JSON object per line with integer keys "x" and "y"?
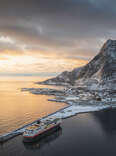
{"x": 94, "y": 83}
{"x": 77, "y": 96}
{"x": 91, "y": 85}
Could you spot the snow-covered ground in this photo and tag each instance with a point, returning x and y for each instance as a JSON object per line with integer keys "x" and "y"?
{"x": 63, "y": 113}
{"x": 75, "y": 109}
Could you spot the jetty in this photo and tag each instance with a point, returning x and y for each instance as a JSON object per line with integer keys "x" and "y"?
{"x": 63, "y": 113}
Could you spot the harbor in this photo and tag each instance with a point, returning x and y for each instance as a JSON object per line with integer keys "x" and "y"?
{"x": 63, "y": 113}
{"x": 72, "y": 139}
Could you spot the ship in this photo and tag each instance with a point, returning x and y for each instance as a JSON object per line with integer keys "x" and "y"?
{"x": 41, "y": 128}
{"x": 45, "y": 141}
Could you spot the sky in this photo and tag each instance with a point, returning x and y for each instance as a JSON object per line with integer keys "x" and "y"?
{"x": 53, "y": 35}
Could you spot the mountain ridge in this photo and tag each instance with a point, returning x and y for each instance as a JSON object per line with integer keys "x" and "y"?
{"x": 102, "y": 67}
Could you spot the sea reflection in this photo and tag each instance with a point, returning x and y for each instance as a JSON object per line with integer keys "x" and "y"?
{"x": 19, "y": 108}
{"x": 44, "y": 141}
{"x": 107, "y": 120}
{"x": 86, "y": 134}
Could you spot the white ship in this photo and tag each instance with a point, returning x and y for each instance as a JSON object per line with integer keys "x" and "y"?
{"x": 41, "y": 129}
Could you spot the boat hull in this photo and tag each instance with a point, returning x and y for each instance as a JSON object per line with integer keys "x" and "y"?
{"x": 40, "y": 136}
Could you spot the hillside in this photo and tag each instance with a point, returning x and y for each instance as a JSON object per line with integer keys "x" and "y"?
{"x": 102, "y": 67}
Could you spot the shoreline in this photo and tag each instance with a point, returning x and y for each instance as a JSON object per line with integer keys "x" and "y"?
{"x": 72, "y": 138}
{"x": 19, "y": 131}
{"x": 74, "y": 106}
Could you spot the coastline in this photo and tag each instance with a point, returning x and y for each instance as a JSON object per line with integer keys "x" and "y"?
{"x": 72, "y": 138}
{"x": 74, "y": 106}
{"x": 68, "y": 114}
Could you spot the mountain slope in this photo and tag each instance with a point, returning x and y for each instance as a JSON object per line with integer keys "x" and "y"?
{"x": 102, "y": 67}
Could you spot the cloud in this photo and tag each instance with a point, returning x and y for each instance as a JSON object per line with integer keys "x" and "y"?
{"x": 68, "y": 29}
{"x": 56, "y": 24}
{"x": 6, "y": 39}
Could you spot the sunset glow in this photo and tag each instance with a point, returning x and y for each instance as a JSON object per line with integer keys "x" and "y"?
{"x": 57, "y": 77}
{"x": 34, "y": 64}
{"x": 40, "y": 37}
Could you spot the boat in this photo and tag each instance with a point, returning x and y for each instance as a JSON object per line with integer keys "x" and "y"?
{"x": 40, "y": 143}
{"x": 41, "y": 129}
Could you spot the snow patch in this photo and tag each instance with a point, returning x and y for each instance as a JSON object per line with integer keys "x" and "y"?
{"x": 74, "y": 109}
{"x": 63, "y": 113}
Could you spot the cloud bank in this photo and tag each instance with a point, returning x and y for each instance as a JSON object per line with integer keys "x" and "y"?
{"x": 55, "y": 29}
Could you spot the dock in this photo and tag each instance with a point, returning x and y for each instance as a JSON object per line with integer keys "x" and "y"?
{"x": 63, "y": 113}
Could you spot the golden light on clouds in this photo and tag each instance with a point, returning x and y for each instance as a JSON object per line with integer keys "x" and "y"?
{"x": 6, "y": 39}
{"x": 17, "y": 56}
{"x": 37, "y": 63}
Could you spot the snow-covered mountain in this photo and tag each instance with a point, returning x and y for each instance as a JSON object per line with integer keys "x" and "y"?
{"x": 102, "y": 68}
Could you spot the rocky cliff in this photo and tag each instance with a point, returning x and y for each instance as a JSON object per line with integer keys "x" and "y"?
{"x": 101, "y": 68}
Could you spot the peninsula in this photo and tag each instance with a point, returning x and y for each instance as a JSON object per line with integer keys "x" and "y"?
{"x": 92, "y": 85}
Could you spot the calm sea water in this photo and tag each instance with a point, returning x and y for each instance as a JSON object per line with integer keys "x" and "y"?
{"x": 19, "y": 108}
{"x": 89, "y": 134}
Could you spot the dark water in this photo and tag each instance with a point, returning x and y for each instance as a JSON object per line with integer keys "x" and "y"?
{"x": 90, "y": 134}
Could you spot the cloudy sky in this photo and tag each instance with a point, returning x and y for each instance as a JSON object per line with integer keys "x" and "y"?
{"x": 53, "y": 35}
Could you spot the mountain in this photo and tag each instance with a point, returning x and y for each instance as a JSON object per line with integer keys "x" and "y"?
{"x": 101, "y": 68}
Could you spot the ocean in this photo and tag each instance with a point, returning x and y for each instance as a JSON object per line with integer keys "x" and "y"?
{"x": 19, "y": 108}
{"x": 86, "y": 134}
